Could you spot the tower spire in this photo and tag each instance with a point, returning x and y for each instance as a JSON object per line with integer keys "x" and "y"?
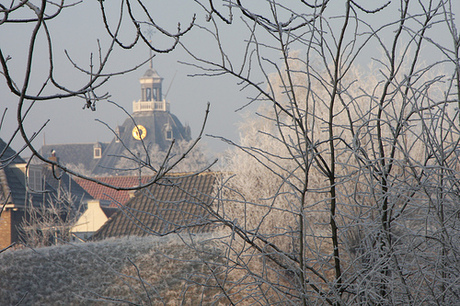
{"x": 151, "y": 57}
{"x": 150, "y": 35}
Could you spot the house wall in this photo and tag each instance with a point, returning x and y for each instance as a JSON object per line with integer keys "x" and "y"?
{"x": 10, "y": 221}
{"x": 91, "y": 220}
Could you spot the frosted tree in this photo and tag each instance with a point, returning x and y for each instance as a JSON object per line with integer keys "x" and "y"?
{"x": 51, "y": 223}
{"x": 191, "y": 157}
{"x": 345, "y": 189}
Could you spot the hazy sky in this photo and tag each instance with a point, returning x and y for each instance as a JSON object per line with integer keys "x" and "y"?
{"x": 77, "y": 30}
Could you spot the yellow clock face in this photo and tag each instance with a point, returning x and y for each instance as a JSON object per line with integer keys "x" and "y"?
{"x": 139, "y": 132}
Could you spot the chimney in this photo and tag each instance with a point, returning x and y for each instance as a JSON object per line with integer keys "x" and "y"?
{"x": 53, "y": 156}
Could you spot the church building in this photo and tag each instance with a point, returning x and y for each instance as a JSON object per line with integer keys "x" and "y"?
{"x": 150, "y": 125}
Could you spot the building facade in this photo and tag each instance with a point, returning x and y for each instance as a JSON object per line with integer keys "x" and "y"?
{"x": 151, "y": 126}
{"x": 26, "y": 190}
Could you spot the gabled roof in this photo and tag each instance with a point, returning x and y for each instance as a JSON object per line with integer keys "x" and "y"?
{"x": 116, "y": 197}
{"x": 81, "y": 155}
{"x": 177, "y": 203}
{"x": 13, "y": 182}
{"x": 8, "y": 155}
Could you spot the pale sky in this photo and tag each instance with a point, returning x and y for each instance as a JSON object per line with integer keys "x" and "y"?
{"x": 77, "y": 30}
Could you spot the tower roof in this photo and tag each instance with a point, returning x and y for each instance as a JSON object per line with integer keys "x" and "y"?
{"x": 142, "y": 129}
{"x": 151, "y": 73}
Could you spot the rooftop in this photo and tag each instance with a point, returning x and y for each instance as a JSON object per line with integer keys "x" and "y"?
{"x": 173, "y": 204}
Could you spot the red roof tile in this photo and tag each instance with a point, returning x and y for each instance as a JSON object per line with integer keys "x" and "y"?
{"x": 116, "y": 197}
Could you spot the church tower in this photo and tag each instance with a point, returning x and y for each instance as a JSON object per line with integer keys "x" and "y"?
{"x": 151, "y": 124}
{"x": 151, "y": 93}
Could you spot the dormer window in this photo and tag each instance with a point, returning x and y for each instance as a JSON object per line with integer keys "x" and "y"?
{"x": 169, "y": 135}
{"x": 168, "y": 132}
{"x": 97, "y": 151}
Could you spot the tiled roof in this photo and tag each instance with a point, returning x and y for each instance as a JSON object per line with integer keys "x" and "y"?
{"x": 108, "y": 211}
{"x": 77, "y": 154}
{"x": 15, "y": 180}
{"x": 173, "y": 204}
{"x": 115, "y": 197}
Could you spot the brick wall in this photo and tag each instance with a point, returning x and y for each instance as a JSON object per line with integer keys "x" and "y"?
{"x": 5, "y": 228}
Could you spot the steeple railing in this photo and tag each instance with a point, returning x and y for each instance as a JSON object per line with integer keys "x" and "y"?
{"x": 146, "y": 106}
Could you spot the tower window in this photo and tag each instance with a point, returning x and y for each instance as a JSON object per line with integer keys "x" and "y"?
{"x": 148, "y": 94}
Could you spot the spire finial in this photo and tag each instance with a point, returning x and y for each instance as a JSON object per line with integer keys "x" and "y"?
{"x": 149, "y": 34}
